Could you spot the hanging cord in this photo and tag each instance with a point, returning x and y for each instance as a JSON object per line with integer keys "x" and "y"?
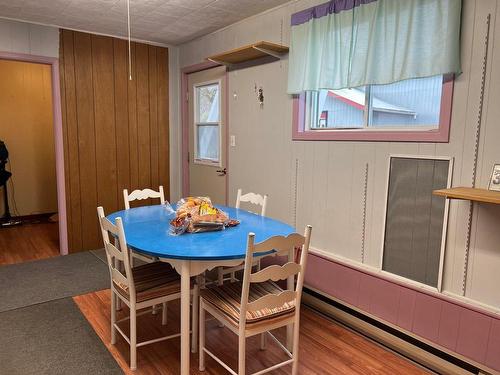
{"x": 129, "y": 52}
{"x": 476, "y": 152}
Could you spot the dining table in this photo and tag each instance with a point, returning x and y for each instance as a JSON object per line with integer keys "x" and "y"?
{"x": 147, "y": 230}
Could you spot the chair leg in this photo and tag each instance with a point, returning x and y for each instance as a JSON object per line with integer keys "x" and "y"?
{"x": 220, "y": 276}
{"x": 113, "y": 317}
{"x": 117, "y": 265}
{"x": 201, "y": 342}
{"x": 133, "y": 337}
{"x": 118, "y": 303}
{"x": 263, "y": 341}
{"x": 295, "y": 352}
{"x": 241, "y": 353}
{"x": 203, "y": 278}
{"x": 164, "y": 314}
{"x": 195, "y": 316}
{"x": 220, "y": 281}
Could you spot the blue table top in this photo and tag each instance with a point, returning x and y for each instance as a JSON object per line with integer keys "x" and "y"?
{"x": 147, "y": 231}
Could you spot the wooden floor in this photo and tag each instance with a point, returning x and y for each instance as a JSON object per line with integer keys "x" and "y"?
{"x": 27, "y": 242}
{"x": 325, "y": 347}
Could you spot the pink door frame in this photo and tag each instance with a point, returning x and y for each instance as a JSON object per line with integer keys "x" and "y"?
{"x": 185, "y": 121}
{"x": 58, "y": 135}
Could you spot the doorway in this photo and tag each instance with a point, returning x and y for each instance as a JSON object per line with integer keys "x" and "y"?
{"x": 27, "y": 114}
{"x": 207, "y": 134}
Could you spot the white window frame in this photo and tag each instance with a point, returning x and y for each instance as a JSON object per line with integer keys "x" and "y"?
{"x": 196, "y": 124}
{"x": 419, "y": 284}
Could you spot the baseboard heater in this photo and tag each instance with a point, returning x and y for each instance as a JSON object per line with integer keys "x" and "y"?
{"x": 433, "y": 358}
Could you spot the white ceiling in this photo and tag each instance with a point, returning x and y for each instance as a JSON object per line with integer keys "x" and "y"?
{"x": 161, "y": 21}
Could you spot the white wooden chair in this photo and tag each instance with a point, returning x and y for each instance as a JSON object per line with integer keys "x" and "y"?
{"x": 258, "y": 200}
{"x": 141, "y": 195}
{"x": 258, "y": 305}
{"x": 140, "y": 287}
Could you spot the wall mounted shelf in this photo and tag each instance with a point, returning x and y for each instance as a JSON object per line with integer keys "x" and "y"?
{"x": 250, "y": 52}
{"x": 470, "y": 194}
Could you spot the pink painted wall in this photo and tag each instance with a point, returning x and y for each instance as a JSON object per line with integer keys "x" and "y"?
{"x": 461, "y": 328}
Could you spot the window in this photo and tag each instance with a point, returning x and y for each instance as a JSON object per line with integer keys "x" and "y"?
{"x": 207, "y": 123}
{"x": 415, "y": 223}
{"x": 409, "y": 110}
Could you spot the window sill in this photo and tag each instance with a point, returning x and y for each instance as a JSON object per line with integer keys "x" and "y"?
{"x": 438, "y": 135}
{"x": 207, "y": 162}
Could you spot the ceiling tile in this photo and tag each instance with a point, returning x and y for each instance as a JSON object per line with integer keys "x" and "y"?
{"x": 162, "y": 21}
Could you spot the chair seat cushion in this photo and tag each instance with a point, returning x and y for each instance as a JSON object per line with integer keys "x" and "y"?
{"x": 152, "y": 280}
{"x": 227, "y": 299}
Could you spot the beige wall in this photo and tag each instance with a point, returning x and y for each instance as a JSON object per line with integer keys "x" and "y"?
{"x": 330, "y": 175}
{"x": 26, "y": 126}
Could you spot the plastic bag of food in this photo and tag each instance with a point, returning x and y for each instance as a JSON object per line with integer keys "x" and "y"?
{"x": 197, "y": 214}
{"x": 179, "y": 225}
{"x": 168, "y": 208}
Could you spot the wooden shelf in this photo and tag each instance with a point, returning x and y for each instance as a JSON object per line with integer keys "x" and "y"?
{"x": 471, "y": 194}
{"x": 251, "y": 52}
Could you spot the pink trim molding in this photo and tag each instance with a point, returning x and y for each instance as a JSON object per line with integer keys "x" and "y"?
{"x": 58, "y": 135}
{"x": 455, "y": 326}
{"x": 185, "y": 122}
{"x": 441, "y": 135}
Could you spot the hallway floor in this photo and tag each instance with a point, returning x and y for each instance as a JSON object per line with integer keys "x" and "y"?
{"x": 33, "y": 241}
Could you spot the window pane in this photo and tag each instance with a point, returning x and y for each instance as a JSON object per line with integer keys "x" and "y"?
{"x": 208, "y": 103}
{"x": 208, "y": 142}
{"x": 341, "y": 109}
{"x": 414, "y": 102}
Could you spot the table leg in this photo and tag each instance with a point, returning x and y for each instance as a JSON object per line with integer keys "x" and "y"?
{"x": 290, "y": 286}
{"x": 185, "y": 296}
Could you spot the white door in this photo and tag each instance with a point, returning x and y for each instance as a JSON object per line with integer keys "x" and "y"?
{"x": 207, "y": 134}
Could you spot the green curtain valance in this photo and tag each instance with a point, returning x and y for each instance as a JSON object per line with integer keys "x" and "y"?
{"x": 351, "y": 43}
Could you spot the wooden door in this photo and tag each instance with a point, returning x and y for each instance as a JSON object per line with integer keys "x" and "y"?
{"x": 207, "y": 134}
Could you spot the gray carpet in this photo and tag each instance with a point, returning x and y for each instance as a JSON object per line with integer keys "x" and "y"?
{"x": 51, "y": 338}
{"x": 101, "y": 254}
{"x": 45, "y": 280}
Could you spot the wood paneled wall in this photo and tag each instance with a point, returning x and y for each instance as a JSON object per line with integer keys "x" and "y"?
{"x": 116, "y": 130}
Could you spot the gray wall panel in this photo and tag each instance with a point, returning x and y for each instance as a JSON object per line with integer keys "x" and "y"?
{"x": 414, "y": 222}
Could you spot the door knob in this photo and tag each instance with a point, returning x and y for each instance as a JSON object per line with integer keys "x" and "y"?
{"x": 222, "y": 172}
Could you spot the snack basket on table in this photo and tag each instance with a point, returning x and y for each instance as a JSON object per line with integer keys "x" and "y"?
{"x": 197, "y": 214}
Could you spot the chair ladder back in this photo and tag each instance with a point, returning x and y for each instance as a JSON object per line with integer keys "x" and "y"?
{"x": 118, "y": 251}
{"x": 303, "y": 264}
{"x": 119, "y": 278}
{"x": 113, "y": 251}
{"x": 142, "y": 194}
{"x": 272, "y": 301}
{"x": 274, "y": 272}
{"x": 280, "y": 244}
{"x": 253, "y": 198}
